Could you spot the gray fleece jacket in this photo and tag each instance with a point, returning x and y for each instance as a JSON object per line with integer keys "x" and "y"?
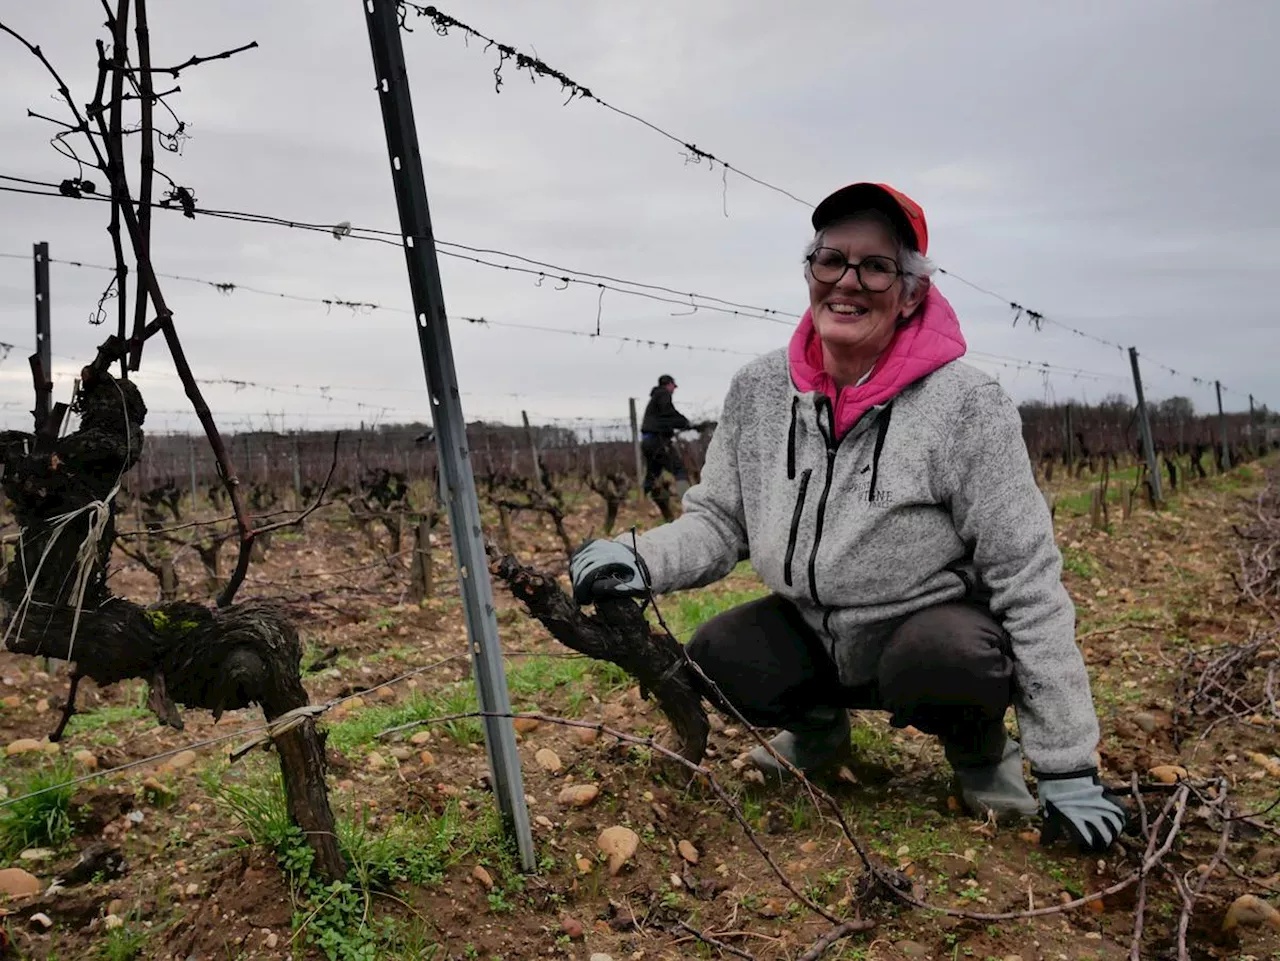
{"x": 923, "y": 496}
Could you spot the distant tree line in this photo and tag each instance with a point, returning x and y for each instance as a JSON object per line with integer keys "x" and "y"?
{"x": 1071, "y": 437}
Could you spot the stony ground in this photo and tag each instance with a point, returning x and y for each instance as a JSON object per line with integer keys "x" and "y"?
{"x": 213, "y": 870}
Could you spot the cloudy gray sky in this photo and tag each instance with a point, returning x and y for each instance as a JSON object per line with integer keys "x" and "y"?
{"x": 1111, "y": 165}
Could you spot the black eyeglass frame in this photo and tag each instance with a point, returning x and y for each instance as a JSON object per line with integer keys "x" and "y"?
{"x": 894, "y": 275}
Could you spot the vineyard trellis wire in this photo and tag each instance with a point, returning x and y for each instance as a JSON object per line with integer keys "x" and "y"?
{"x": 696, "y": 301}
{"x": 535, "y": 67}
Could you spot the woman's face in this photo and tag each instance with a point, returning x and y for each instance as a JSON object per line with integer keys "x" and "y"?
{"x": 849, "y": 318}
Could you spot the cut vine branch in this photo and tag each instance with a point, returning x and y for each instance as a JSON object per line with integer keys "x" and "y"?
{"x": 618, "y": 632}
{"x": 191, "y": 62}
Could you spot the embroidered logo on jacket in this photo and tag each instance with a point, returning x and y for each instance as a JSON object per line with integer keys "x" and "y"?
{"x": 859, "y": 490}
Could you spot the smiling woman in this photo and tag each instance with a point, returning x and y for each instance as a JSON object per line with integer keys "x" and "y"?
{"x": 883, "y": 493}
{"x": 867, "y": 275}
{"x": 863, "y": 284}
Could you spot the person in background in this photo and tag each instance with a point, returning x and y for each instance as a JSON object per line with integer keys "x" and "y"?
{"x": 658, "y": 430}
{"x": 883, "y": 493}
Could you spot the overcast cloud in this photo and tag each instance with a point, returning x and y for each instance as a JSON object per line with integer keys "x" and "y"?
{"x": 1112, "y": 165}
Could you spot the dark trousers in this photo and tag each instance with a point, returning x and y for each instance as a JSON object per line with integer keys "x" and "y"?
{"x": 660, "y": 454}
{"x": 946, "y": 670}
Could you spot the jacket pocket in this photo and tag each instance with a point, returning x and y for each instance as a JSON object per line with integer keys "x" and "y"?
{"x": 795, "y": 525}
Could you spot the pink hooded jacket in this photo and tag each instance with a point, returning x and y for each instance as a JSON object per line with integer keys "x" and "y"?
{"x": 931, "y": 339}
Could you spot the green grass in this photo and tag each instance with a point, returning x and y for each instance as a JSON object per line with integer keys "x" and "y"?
{"x": 609, "y": 677}
{"x": 461, "y": 698}
{"x": 1081, "y": 563}
{"x": 922, "y": 829}
{"x": 104, "y": 718}
{"x": 255, "y": 799}
{"x": 123, "y": 944}
{"x": 1235, "y": 480}
{"x": 411, "y": 942}
{"x": 313, "y": 651}
{"x": 45, "y": 820}
{"x": 1066, "y": 872}
{"x": 359, "y": 732}
{"x": 685, "y": 613}
{"x": 873, "y": 743}
{"x": 338, "y": 917}
{"x": 532, "y": 680}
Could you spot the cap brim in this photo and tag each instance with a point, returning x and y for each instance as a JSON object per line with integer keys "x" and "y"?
{"x": 855, "y": 197}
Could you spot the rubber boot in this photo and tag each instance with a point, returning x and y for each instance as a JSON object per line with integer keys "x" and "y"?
{"x": 818, "y": 741}
{"x": 992, "y": 789}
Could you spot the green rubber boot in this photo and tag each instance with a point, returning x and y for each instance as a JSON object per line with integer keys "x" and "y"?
{"x": 817, "y": 742}
{"x": 992, "y": 789}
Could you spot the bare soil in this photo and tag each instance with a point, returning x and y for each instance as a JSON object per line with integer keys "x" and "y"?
{"x": 198, "y": 886}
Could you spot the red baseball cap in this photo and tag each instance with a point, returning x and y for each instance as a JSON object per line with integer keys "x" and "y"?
{"x": 906, "y": 214}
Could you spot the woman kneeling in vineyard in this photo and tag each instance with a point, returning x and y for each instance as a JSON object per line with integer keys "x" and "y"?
{"x": 883, "y": 492}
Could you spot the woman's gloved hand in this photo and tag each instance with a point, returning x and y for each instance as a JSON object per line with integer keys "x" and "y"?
{"x": 1077, "y": 805}
{"x": 604, "y": 568}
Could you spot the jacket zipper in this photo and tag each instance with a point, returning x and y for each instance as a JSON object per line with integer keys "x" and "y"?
{"x": 795, "y": 525}
{"x": 828, "y": 437}
{"x": 882, "y": 431}
{"x": 791, "y": 440}
{"x": 833, "y": 446}
{"x": 817, "y": 525}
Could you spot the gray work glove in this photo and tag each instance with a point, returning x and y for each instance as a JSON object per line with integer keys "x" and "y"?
{"x": 1078, "y": 806}
{"x": 606, "y": 569}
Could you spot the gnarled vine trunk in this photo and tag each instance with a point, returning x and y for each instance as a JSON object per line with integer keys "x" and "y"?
{"x": 619, "y": 633}
{"x": 57, "y": 603}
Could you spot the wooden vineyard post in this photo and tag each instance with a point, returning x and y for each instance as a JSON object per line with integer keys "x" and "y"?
{"x": 533, "y": 446}
{"x": 591, "y": 454}
{"x": 432, "y": 326}
{"x": 1222, "y": 429}
{"x": 635, "y": 443}
{"x": 1100, "y": 514}
{"x": 297, "y": 475}
{"x": 1148, "y": 446}
{"x": 1071, "y": 443}
{"x": 191, "y": 456}
{"x": 420, "y": 580}
{"x": 1096, "y": 520}
{"x": 168, "y": 580}
{"x": 504, "y": 527}
{"x": 42, "y": 359}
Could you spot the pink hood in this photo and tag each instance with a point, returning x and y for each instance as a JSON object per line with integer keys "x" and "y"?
{"x": 931, "y": 340}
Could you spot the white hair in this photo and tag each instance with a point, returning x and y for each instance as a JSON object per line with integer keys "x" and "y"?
{"x": 915, "y": 265}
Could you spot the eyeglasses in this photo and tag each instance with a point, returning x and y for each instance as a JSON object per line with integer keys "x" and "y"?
{"x": 876, "y": 274}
